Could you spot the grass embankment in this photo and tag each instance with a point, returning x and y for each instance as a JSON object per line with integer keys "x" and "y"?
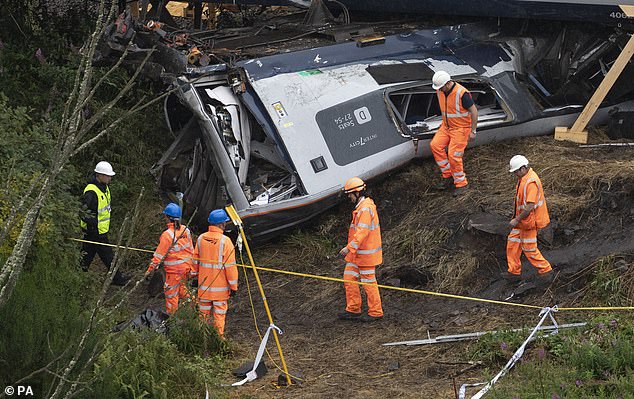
{"x": 51, "y": 305}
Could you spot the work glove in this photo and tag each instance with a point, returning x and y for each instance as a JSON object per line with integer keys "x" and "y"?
{"x": 194, "y": 283}
{"x": 233, "y": 293}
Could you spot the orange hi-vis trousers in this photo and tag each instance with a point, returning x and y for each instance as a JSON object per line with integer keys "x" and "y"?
{"x": 220, "y": 312}
{"x": 353, "y": 293}
{"x": 174, "y": 289}
{"x": 519, "y": 241}
{"x": 448, "y": 147}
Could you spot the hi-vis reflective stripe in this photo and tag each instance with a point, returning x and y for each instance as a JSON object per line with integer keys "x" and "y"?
{"x": 211, "y": 265}
{"x": 514, "y": 239}
{"x": 204, "y": 307}
{"x": 221, "y": 250}
{"x": 233, "y": 282}
{"x": 175, "y": 262}
{"x": 176, "y": 247}
{"x": 515, "y": 231}
{"x": 351, "y": 273}
{"x": 369, "y": 227}
{"x": 105, "y": 208}
{"x": 458, "y": 114}
{"x": 200, "y": 237}
{"x": 529, "y": 239}
{"x": 444, "y": 165}
{"x": 172, "y": 295}
{"x": 171, "y": 287}
{"x": 368, "y": 251}
{"x": 158, "y": 255}
{"x": 354, "y": 245}
{"x": 365, "y": 272}
{"x": 540, "y": 201}
{"x": 220, "y": 303}
{"x": 458, "y": 153}
{"x": 213, "y": 289}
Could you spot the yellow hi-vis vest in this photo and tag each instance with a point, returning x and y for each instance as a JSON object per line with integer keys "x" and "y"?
{"x": 103, "y": 208}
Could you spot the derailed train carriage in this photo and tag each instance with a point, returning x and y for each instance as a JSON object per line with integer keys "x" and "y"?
{"x": 278, "y": 136}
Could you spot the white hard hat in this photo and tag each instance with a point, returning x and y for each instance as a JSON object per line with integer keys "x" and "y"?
{"x": 440, "y": 79}
{"x": 104, "y": 168}
{"x": 517, "y": 162}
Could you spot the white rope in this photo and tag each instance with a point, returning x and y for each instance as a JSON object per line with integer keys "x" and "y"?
{"x": 252, "y": 375}
{"x": 545, "y": 312}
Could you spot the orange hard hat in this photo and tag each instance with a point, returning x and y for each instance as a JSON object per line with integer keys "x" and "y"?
{"x": 354, "y": 184}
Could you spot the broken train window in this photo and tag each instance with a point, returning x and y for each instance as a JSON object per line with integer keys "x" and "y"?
{"x": 416, "y": 109}
{"x": 263, "y": 174}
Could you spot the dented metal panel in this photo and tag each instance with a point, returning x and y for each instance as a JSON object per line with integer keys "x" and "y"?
{"x": 281, "y": 134}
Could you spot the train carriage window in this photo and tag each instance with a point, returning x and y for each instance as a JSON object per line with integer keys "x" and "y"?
{"x": 417, "y": 112}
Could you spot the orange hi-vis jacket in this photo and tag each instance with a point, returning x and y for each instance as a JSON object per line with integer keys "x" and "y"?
{"x": 364, "y": 235}
{"x": 179, "y": 258}
{"x": 529, "y": 189}
{"x": 454, "y": 115}
{"x": 215, "y": 264}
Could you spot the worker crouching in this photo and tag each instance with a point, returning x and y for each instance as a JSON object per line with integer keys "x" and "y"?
{"x": 174, "y": 253}
{"x": 215, "y": 266}
{"x": 530, "y": 215}
{"x": 363, "y": 254}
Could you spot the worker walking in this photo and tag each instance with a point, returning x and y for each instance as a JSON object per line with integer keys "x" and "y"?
{"x": 459, "y": 122}
{"x": 363, "y": 254}
{"x": 174, "y": 253}
{"x": 530, "y": 214}
{"x": 215, "y": 266}
{"x": 95, "y": 220}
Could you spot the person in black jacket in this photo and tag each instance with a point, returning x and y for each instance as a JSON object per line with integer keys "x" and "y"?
{"x": 95, "y": 220}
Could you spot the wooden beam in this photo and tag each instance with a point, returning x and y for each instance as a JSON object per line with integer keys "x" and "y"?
{"x": 628, "y": 10}
{"x": 598, "y": 96}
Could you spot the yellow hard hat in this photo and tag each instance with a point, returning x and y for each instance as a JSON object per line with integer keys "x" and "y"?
{"x": 354, "y": 184}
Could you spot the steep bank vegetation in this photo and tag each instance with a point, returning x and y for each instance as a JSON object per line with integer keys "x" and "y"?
{"x": 51, "y": 306}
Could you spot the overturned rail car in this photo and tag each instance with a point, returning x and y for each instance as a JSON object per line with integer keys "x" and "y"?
{"x": 278, "y": 136}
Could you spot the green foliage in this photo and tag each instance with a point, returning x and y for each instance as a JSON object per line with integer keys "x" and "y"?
{"x": 608, "y": 284}
{"x": 193, "y": 336}
{"x": 44, "y": 314}
{"x": 496, "y": 349}
{"x": 147, "y": 365}
{"x": 596, "y": 362}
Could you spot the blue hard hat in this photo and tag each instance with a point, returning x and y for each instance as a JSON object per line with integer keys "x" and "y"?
{"x": 218, "y": 216}
{"x": 173, "y": 210}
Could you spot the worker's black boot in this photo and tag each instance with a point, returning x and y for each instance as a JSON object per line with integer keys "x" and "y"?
{"x": 366, "y": 318}
{"x": 445, "y": 183}
{"x": 545, "y": 279}
{"x": 458, "y": 191}
{"x": 511, "y": 277}
{"x": 349, "y": 316}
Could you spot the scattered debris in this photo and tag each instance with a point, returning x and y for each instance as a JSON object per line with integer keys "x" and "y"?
{"x": 149, "y": 318}
{"x": 462, "y": 337}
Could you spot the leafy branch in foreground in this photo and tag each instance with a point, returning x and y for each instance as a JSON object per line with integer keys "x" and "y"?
{"x": 72, "y": 130}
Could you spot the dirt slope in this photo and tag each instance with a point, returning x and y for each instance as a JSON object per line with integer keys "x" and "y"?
{"x": 427, "y": 245}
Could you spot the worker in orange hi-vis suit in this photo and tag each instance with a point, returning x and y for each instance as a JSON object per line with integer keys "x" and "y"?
{"x": 174, "y": 251}
{"x": 530, "y": 214}
{"x": 363, "y": 254}
{"x": 215, "y": 265}
{"x": 459, "y": 123}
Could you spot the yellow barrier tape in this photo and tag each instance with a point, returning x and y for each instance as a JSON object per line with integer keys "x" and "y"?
{"x": 388, "y": 287}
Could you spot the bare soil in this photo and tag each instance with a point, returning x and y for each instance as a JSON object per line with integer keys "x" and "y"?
{"x": 427, "y": 246}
